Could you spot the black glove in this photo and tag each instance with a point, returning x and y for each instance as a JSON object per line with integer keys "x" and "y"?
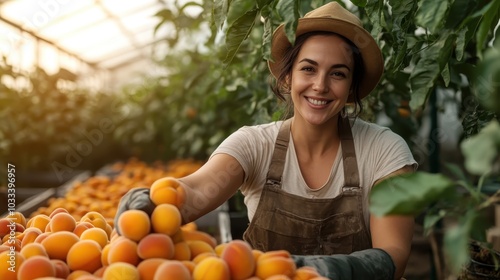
{"x": 373, "y": 264}
{"x": 136, "y": 198}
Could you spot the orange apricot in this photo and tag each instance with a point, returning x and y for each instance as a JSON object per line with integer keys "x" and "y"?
{"x": 78, "y": 274}
{"x": 275, "y": 265}
{"x": 39, "y": 221}
{"x": 33, "y": 249}
{"x": 62, "y": 222}
{"x": 57, "y": 211}
{"x": 97, "y": 234}
{"x": 36, "y": 267}
{"x": 239, "y": 258}
{"x": 197, "y": 247}
{"x": 10, "y": 263}
{"x": 172, "y": 270}
{"x": 134, "y": 224}
{"x": 203, "y": 256}
{"x": 123, "y": 250}
{"x": 199, "y": 235}
{"x": 80, "y": 227}
{"x": 30, "y": 234}
{"x": 85, "y": 255}
{"x": 95, "y": 218}
{"x": 147, "y": 268}
{"x": 305, "y": 273}
{"x": 57, "y": 244}
{"x": 167, "y": 190}
{"x": 120, "y": 271}
{"x": 17, "y": 217}
{"x": 62, "y": 268}
{"x": 155, "y": 245}
{"x": 166, "y": 219}
{"x": 182, "y": 252}
{"x": 211, "y": 268}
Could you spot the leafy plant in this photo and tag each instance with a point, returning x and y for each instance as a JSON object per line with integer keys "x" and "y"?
{"x": 462, "y": 198}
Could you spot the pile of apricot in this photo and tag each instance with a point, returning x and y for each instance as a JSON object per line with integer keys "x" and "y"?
{"x": 58, "y": 246}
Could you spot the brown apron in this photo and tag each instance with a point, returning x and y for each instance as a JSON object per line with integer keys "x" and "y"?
{"x": 305, "y": 226}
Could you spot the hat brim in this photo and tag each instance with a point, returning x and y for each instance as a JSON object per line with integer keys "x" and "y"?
{"x": 370, "y": 51}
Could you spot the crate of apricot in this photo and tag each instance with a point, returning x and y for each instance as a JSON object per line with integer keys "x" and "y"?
{"x": 78, "y": 240}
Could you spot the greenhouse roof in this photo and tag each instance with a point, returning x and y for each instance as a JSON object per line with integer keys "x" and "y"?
{"x": 105, "y": 34}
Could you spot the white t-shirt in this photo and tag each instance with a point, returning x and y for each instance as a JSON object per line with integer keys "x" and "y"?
{"x": 379, "y": 152}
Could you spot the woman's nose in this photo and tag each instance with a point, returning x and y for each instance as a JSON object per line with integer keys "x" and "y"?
{"x": 320, "y": 84}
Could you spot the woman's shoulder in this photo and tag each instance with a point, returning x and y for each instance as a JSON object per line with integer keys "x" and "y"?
{"x": 363, "y": 129}
{"x": 261, "y": 131}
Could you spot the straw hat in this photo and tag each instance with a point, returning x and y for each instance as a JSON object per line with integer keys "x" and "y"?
{"x": 333, "y": 17}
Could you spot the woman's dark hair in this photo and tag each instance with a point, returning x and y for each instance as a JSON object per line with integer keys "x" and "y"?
{"x": 281, "y": 87}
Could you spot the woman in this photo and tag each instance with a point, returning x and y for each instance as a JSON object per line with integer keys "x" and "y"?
{"x": 306, "y": 180}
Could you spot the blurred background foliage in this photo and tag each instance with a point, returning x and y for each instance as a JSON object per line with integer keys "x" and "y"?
{"x": 217, "y": 85}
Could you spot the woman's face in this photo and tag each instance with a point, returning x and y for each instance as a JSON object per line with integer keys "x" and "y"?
{"x": 321, "y": 78}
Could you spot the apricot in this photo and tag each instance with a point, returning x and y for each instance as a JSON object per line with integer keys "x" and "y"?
{"x": 97, "y": 234}
{"x": 211, "y": 268}
{"x": 74, "y": 275}
{"x": 182, "y": 252}
{"x": 57, "y": 211}
{"x": 62, "y": 268}
{"x": 155, "y": 245}
{"x": 17, "y": 217}
{"x": 275, "y": 253}
{"x": 220, "y": 248}
{"x": 33, "y": 249}
{"x": 305, "y": 273}
{"x": 279, "y": 277}
{"x": 80, "y": 227}
{"x": 39, "y": 221}
{"x": 104, "y": 255}
{"x": 134, "y": 224}
{"x": 172, "y": 270}
{"x": 190, "y": 265}
{"x": 197, "y": 247}
{"x": 57, "y": 244}
{"x": 8, "y": 226}
{"x": 62, "y": 222}
{"x": 147, "y": 268}
{"x": 95, "y": 218}
{"x": 199, "y": 235}
{"x": 167, "y": 191}
{"x": 275, "y": 265}
{"x": 239, "y": 258}
{"x": 41, "y": 237}
{"x": 10, "y": 263}
{"x": 36, "y": 267}
{"x": 30, "y": 234}
{"x": 123, "y": 250}
{"x": 203, "y": 256}
{"x": 85, "y": 255}
{"x": 166, "y": 219}
{"x": 120, "y": 271}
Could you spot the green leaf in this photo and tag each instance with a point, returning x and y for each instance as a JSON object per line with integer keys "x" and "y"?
{"x": 456, "y": 241}
{"x": 289, "y": 11}
{"x": 461, "y": 41}
{"x": 428, "y": 68}
{"x": 482, "y": 149}
{"x": 487, "y": 85}
{"x": 239, "y": 9}
{"x": 445, "y": 74}
{"x": 408, "y": 194}
{"x": 430, "y": 220}
{"x": 267, "y": 38}
{"x": 430, "y": 14}
{"x": 237, "y": 33}
{"x": 459, "y": 11}
{"x": 488, "y": 23}
{"x": 219, "y": 12}
{"x": 359, "y": 3}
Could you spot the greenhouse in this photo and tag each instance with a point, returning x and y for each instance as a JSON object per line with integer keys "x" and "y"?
{"x": 269, "y": 139}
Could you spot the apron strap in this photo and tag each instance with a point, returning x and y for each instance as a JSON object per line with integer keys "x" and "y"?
{"x": 351, "y": 173}
{"x": 278, "y": 160}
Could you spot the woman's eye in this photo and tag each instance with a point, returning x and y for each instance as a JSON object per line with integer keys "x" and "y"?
{"x": 308, "y": 69}
{"x": 338, "y": 74}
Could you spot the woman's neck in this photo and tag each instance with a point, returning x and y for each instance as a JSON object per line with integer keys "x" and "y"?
{"x": 315, "y": 141}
